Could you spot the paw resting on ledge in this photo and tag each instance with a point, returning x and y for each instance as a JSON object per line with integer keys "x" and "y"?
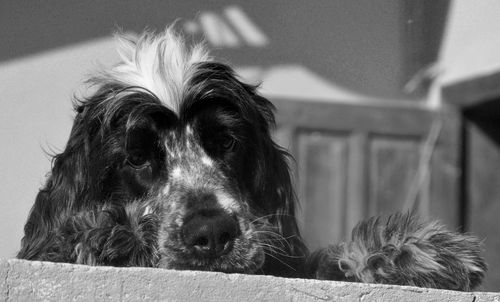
{"x": 403, "y": 250}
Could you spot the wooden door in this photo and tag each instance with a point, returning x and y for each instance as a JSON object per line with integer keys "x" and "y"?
{"x": 355, "y": 161}
{"x": 482, "y": 181}
{"x": 478, "y": 100}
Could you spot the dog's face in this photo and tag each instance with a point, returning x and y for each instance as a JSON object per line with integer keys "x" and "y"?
{"x": 178, "y": 132}
{"x": 208, "y": 194}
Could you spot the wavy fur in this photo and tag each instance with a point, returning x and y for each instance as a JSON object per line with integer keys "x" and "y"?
{"x": 403, "y": 250}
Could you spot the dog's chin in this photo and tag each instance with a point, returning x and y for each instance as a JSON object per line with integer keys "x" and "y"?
{"x": 237, "y": 261}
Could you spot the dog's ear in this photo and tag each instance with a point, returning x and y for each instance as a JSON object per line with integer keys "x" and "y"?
{"x": 277, "y": 181}
{"x": 277, "y": 189}
{"x": 65, "y": 186}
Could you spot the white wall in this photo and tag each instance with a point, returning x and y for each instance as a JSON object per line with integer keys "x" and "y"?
{"x": 471, "y": 45}
{"x": 36, "y": 115}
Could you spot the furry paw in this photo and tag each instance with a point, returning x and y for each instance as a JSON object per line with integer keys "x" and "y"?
{"x": 116, "y": 235}
{"x": 403, "y": 250}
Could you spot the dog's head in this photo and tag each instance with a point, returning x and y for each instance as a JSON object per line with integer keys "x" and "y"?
{"x": 170, "y": 126}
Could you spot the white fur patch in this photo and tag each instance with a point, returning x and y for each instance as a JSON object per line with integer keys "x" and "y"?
{"x": 227, "y": 202}
{"x": 177, "y": 172}
{"x": 161, "y": 64}
{"x": 166, "y": 189}
{"x": 207, "y": 161}
{"x": 147, "y": 211}
{"x": 169, "y": 151}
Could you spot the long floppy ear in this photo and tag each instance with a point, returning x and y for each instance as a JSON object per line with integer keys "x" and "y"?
{"x": 277, "y": 188}
{"x": 65, "y": 186}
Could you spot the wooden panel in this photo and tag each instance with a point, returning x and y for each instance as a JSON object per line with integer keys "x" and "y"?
{"x": 483, "y": 209}
{"x": 445, "y": 172}
{"x": 409, "y": 120}
{"x": 393, "y": 164}
{"x": 358, "y": 160}
{"x": 284, "y": 136}
{"x": 322, "y": 162}
{"x": 477, "y": 97}
{"x": 357, "y": 194}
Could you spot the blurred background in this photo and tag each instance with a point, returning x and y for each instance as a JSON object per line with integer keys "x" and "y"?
{"x": 386, "y": 105}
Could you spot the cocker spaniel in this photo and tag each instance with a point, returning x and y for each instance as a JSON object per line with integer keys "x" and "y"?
{"x": 170, "y": 163}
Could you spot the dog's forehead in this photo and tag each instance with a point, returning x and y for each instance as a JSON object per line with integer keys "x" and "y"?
{"x": 161, "y": 64}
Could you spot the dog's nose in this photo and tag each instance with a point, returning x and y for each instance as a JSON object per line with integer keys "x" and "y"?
{"x": 210, "y": 233}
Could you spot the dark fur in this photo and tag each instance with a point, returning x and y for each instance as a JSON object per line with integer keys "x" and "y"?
{"x": 115, "y": 197}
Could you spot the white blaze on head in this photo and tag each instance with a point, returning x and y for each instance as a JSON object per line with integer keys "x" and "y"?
{"x": 160, "y": 63}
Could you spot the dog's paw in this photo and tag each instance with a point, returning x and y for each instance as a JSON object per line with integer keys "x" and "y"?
{"x": 114, "y": 235}
{"x": 403, "y": 250}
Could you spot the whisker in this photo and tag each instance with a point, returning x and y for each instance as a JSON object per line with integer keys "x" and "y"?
{"x": 276, "y": 237}
{"x": 271, "y": 215}
{"x": 271, "y": 247}
{"x": 281, "y": 253}
{"x": 281, "y": 261}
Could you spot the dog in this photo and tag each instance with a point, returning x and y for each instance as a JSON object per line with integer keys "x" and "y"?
{"x": 170, "y": 163}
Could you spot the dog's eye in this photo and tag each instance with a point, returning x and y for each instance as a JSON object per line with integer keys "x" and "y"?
{"x": 137, "y": 160}
{"x": 227, "y": 143}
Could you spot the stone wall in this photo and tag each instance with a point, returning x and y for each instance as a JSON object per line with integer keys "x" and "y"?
{"x": 43, "y": 281}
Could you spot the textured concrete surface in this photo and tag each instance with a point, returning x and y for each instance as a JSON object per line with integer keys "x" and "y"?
{"x": 43, "y": 281}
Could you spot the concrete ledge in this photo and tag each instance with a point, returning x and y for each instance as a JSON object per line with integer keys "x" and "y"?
{"x": 36, "y": 281}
